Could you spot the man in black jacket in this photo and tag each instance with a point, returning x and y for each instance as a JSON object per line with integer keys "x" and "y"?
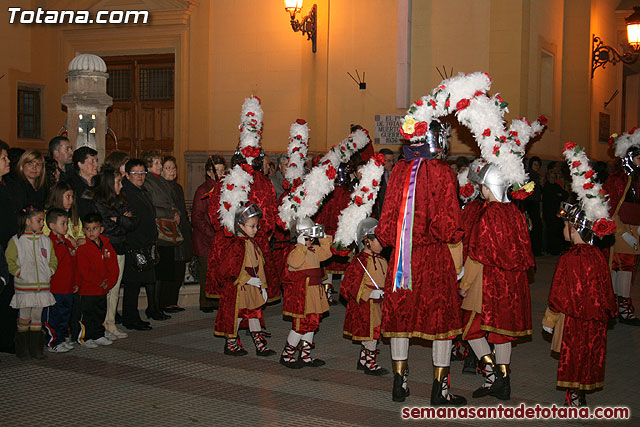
{"x": 85, "y": 163}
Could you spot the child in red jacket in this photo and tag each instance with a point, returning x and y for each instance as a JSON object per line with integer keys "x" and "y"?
{"x": 97, "y": 273}
{"x": 56, "y": 317}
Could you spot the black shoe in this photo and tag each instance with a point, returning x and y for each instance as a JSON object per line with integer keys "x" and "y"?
{"x": 239, "y": 352}
{"x": 375, "y": 372}
{"x": 635, "y": 321}
{"x": 293, "y": 364}
{"x": 399, "y": 393}
{"x": 314, "y": 363}
{"x": 173, "y": 309}
{"x": 157, "y": 316}
{"x": 470, "y": 364}
{"x": 207, "y": 309}
{"x": 137, "y": 326}
{"x": 501, "y": 388}
{"x": 437, "y": 399}
{"x": 265, "y": 353}
{"x": 144, "y": 322}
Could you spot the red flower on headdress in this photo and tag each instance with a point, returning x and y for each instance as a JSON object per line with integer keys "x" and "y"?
{"x": 496, "y": 150}
{"x": 378, "y": 158}
{"x": 521, "y": 194}
{"x": 370, "y": 196}
{"x": 285, "y": 184}
{"x": 331, "y": 172}
{"x": 404, "y": 134}
{"x": 227, "y": 205}
{"x": 419, "y": 103}
{"x": 589, "y": 174}
{"x": 487, "y": 132}
{"x": 375, "y": 183}
{"x": 478, "y": 93}
{"x": 421, "y": 128}
{"x": 365, "y": 189}
{"x": 462, "y": 104}
{"x": 297, "y": 199}
{"x": 433, "y": 103}
{"x": 467, "y": 190}
{"x": 301, "y": 121}
{"x": 250, "y": 151}
{"x": 569, "y": 146}
{"x": 358, "y": 200}
{"x": 612, "y": 142}
{"x": 259, "y": 101}
{"x": 247, "y": 168}
{"x": 542, "y": 120}
{"x": 230, "y": 187}
{"x": 588, "y": 186}
{"x": 603, "y": 226}
{"x": 297, "y": 182}
{"x": 576, "y": 164}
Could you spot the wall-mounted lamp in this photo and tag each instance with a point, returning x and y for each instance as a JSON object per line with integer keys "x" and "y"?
{"x": 308, "y": 25}
{"x": 602, "y": 54}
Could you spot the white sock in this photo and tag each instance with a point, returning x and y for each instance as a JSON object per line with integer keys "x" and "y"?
{"x": 308, "y": 337}
{"x": 614, "y": 282}
{"x": 399, "y": 348}
{"x": 370, "y": 345}
{"x": 254, "y": 325}
{"x": 441, "y": 353}
{"x": 503, "y": 353}
{"x": 480, "y": 347}
{"x": 293, "y": 338}
{"x": 624, "y": 283}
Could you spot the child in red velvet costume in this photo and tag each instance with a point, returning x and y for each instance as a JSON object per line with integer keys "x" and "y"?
{"x": 304, "y": 297}
{"x": 244, "y": 285}
{"x": 363, "y": 288}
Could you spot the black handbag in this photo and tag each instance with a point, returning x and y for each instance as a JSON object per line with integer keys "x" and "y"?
{"x": 146, "y": 258}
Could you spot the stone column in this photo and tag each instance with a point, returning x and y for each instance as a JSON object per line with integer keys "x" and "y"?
{"x": 87, "y": 102}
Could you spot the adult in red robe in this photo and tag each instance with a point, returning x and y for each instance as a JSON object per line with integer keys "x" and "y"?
{"x": 430, "y": 308}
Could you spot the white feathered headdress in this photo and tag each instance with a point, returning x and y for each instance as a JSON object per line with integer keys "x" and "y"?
{"x": 237, "y": 183}
{"x": 621, "y": 144}
{"x": 592, "y": 197}
{"x": 296, "y": 154}
{"x": 305, "y": 199}
{"x": 466, "y": 96}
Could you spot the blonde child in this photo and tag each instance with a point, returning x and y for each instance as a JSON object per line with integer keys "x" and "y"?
{"x": 32, "y": 261}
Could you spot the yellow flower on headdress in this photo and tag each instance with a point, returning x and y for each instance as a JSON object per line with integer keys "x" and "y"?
{"x": 528, "y": 187}
{"x": 409, "y": 124}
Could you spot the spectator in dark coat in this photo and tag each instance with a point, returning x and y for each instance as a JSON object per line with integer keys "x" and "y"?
{"x": 183, "y": 252}
{"x": 142, "y": 238}
{"x": 117, "y": 221}
{"x": 85, "y": 163}
{"x": 532, "y": 205}
{"x": 202, "y": 228}
{"x": 61, "y": 151}
{"x": 552, "y": 195}
{"x": 28, "y": 187}
{"x": 159, "y": 192}
{"x": 9, "y": 221}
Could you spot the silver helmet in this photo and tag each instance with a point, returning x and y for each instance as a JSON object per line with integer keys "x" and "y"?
{"x": 243, "y": 214}
{"x": 366, "y": 228}
{"x": 575, "y": 216}
{"x": 474, "y": 170}
{"x": 627, "y": 161}
{"x": 437, "y": 138}
{"x": 491, "y": 177}
{"x": 306, "y": 227}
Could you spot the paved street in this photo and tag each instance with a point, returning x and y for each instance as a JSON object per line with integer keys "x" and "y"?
{"x": 176, "y": 374}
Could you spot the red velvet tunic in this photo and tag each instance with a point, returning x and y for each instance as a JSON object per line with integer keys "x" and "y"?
{"x": 228, "y": 275}
{"x": 621, "y": 256}
{"x": 431, "y": 310}
{"x": 262, "y": 194}
{"x": 500, "y": 242}
{"x": 470, "y": 215}
{"x": 582, "y": 291}
{"x": 297, "y": 282}
{"x": 359, "y": 321}
{"x": 328, "y": 216}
